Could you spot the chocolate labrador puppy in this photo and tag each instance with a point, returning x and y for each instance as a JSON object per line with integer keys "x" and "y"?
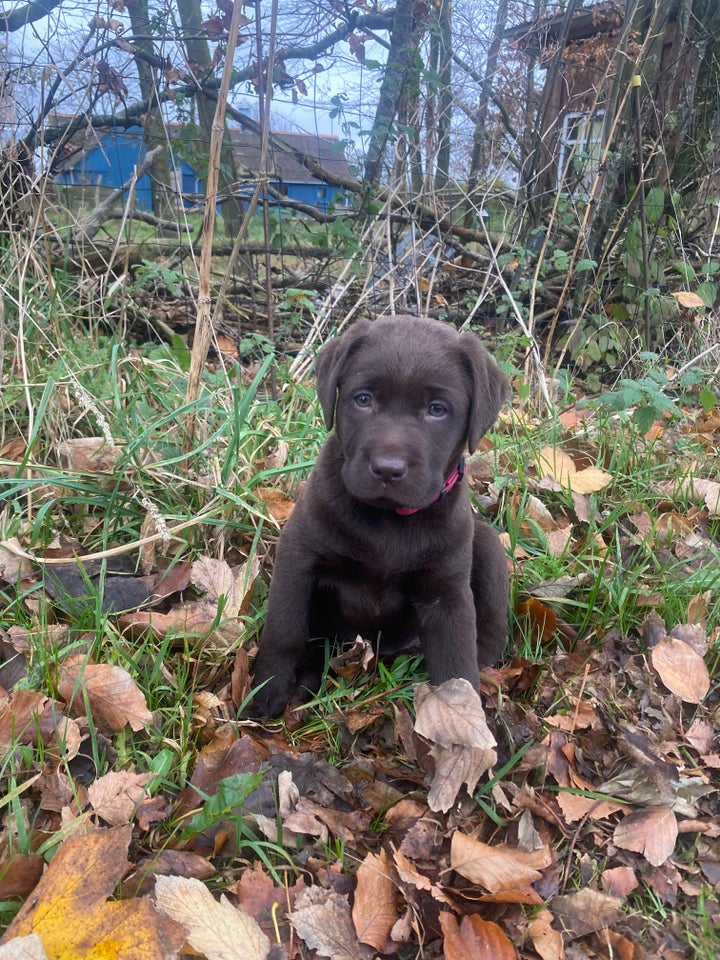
{"x": 383, "y": 541}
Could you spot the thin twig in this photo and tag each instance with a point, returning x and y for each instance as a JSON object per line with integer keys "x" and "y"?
{"x": 204, "y": 325}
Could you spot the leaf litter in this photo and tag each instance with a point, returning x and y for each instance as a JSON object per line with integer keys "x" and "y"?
{"x": 522, "y": 825}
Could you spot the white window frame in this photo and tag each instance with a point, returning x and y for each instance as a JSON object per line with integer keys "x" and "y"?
{"x": 589, "y": 129}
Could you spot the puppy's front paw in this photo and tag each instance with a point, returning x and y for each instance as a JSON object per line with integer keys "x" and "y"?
{"x": 272, "y": 694}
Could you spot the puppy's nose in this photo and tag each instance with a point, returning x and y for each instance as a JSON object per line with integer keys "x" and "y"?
{"x": 388, "y": 469}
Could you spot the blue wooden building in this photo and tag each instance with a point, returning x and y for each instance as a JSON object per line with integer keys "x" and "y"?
{"x": 97, "y": 161}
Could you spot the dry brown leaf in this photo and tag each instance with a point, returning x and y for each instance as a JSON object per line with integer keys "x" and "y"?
{"x": 278, "y": 504}
{"x": 375, "y": 907}
{"x": 452, "y": 718}
{"x": 19, "y": 874}
{"x": 114, "y": 697}
{"x": 619, "y": 881}
{"x": 322, "y": 919}
{"x": 497, "y": 867}
{"x": 651, "y": 831}
{"x": 704, "y": 491}
{"x": 13, "y": 566}
{"x": 32, "y": 718}
{"x": 555, "y": 463}
{"x": 89, "y": 455}
{"x": 701, "y": 735}
{"x": 590, "y": 480}
{"x": 23, "y": 948}
{"x": 474, "y": 939}
{"x": 688, "y": 299}
{"x": 694, "y": 635}
{"x": 585, "y": 911}
{"x": 547, "y": 941}
{"x": 218, "y": 580}
{"x": 215, "y": 928}
{"x": 197, "y": 619}
{"x": 408, "y": 873}
{"x": 535, "y": 509}
{"x": 70, "y": 913}
{"x": 681, "y": 669}
{"x": 116, "y": 796}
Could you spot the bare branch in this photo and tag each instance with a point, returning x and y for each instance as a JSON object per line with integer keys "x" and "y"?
{"x": 29, "y": 13}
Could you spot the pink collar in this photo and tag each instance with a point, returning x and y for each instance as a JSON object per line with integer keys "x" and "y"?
{"x": 454, "y": 477}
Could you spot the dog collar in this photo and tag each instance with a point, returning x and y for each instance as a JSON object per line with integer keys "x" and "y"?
{"x": 457, "y": 475}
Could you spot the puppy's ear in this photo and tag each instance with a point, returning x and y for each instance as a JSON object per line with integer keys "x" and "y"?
{"x": 489, "y": 387}
{"x": 329, "y": 366}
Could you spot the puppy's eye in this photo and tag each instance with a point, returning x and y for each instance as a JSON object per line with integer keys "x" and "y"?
{"x": 437, "y": 408}
{"x": 363, "y": 399}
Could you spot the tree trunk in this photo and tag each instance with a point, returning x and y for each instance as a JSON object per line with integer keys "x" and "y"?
{"x": 198, "y": 52}
{"x": 445, "y": 94}
{"x": 478, "y": 159}
{"x": 398, "y": 70}
{"x": 163, "y": 199}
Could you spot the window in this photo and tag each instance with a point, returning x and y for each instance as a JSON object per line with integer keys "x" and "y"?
{"x": 581, "y": 145}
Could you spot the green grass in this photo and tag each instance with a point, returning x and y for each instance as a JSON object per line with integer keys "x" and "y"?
{"x": 70, "y": 384}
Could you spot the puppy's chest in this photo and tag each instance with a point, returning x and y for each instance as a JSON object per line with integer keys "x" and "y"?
{"x": 365, "y": 596}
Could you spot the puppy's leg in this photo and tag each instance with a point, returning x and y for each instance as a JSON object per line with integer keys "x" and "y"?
{"x": 489, "y": 581}
{"x": 447, "y": 633}
{"x": 283, "y": 646}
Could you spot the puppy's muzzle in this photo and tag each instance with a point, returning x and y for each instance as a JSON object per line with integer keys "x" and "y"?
{"x": 388, "y": 469}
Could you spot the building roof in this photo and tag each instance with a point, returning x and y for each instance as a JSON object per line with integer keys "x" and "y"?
{"x": 535, "y": 36}
{"x": 323, "y": 149}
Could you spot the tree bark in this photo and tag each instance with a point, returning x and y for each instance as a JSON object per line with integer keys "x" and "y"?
{"x": 399, "y": 67}
{"x": 163, "y": 201}
{"x": 445, "y": 93}
{"x": 478, "y": 159}
{"x": 198, "y": 53}
{"x": 28, "y": 13}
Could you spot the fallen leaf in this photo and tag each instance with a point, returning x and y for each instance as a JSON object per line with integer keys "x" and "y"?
{"x": 113, "y": 696}
{"x": 694, "y": 635}
{"x": 218, "y": 580}
{"x": 375, "y": 905}
{"x": 651, "y": 831}
{"x": 34, "y": 719}
{"x": 590, "y": 480}
{"x": 585, "y": 911}
{"x": 681, "y": 669}
{"x": 409, "y": 874}
{"x": 215, "y": 928}
{"x": 452, "y": 718}
{"x": 619, "y": 881}
{"x": 474, "y": 939}
{"x": 705, "y": 491}
{"x": 179, "y": 863}
{"x": 19, "y": 874}
{"x": 198, "y": 618}
{"x": 70, "y": 913}
{"x": 278, "y": 504}
{"x": 688, "y": 299}
{"x": 116, "y": 796}
{"x": 555, "y": 463}
{"x": 23, "y": 948}
{"x": 547, "y": 941}
{"x": 322, "y": 919}
{"x": 88, "y": 455}
{"x": 13, "y": 566}
{"x": 701, "y": 735}
{"x": 498, "y": 867}
{"x": 542, "y": 621}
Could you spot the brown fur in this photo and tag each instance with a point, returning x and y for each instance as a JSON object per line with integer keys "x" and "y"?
{"x": 406, "y": 396}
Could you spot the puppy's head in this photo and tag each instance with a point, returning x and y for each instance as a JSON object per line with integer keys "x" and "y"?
{"x": 406, "y": 396}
